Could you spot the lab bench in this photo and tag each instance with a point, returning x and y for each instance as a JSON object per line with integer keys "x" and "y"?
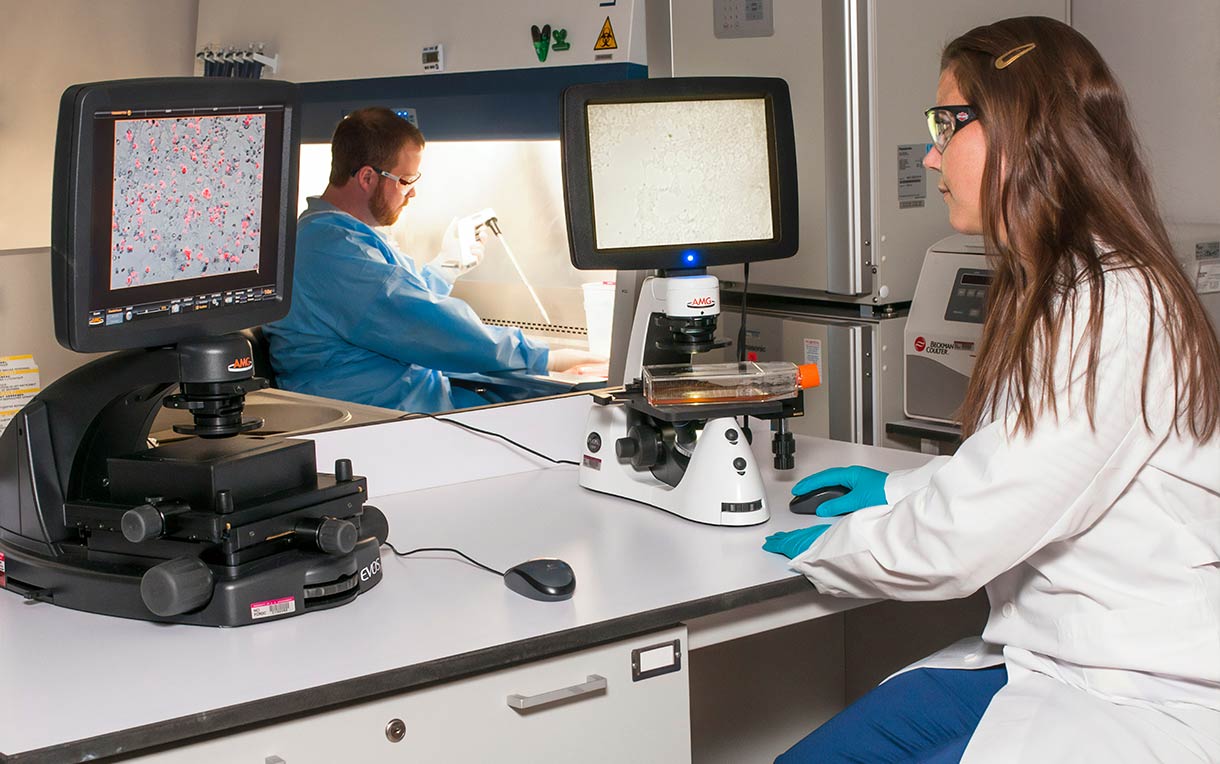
{"x": 440, "y": 661}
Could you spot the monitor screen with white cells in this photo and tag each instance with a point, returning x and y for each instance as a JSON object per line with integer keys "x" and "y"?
{"x": 677, "y": 173}
{"x": 188, "y": 198}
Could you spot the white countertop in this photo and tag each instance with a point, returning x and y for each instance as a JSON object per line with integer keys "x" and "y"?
{"x": 69, "y": 676}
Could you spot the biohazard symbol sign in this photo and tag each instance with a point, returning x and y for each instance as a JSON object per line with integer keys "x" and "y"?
{"x": 605, "y": 40}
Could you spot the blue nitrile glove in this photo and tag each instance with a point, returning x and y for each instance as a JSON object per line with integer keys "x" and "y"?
{"x": 792, "y": 543}
{"x": 866, "y": 489}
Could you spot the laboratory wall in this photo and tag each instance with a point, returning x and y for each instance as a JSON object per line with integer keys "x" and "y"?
{"x": 1167, "y": 56}
{"x": 1169, "y": 64}
{"x": 44, "y": 47}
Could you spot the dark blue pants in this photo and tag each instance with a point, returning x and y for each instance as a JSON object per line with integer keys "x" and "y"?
{"x": 925, "y": 716}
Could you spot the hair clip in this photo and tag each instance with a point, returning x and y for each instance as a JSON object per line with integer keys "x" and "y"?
{"x": 1005, "y": 61}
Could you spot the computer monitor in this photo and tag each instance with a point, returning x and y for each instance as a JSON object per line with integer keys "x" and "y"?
{"x": 679, "y": 173}
{"x": 173, "y": 211}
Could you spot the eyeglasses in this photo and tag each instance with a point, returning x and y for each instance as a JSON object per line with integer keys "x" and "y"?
{"x": 403, "y": 183}
{"x": 944, "y": 121}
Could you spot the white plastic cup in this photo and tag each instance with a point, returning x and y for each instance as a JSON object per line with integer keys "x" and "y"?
{"x": 599, "y": 315}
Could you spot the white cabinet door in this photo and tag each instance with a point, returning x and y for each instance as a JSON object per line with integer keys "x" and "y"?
{"x": 580, "y": 707}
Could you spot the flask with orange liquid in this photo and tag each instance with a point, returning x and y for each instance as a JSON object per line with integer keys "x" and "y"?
{"x": 720, "y": 383}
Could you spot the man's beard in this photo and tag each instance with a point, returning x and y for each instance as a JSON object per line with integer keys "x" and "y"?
{"x": 384, "y": 212}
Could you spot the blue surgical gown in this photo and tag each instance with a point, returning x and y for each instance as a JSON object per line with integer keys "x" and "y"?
{"x": 366, "y": 326}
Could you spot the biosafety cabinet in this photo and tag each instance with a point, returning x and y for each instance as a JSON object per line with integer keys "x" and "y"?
{"x": 482, "y": 79}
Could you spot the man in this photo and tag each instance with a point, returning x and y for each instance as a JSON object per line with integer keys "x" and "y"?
{"x": 366, "y": 325}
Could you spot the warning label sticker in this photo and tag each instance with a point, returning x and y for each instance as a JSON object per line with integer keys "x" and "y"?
{"x": 1207, "y": 278}
{"x": 1207, "y": 259}
{"x": 19, "y": 383}
{"x": 282, "y": 606}
{"x": 912, "y": 177}
{"x": 813, "y": 352}
{"x": 605, "y": 39}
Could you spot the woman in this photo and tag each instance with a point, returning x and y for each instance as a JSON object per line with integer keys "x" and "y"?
{"x": 1086, "y": 494}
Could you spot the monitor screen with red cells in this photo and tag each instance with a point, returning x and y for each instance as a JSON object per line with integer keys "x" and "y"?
{"x": 188, "y": 198}
{"x": 173, "y": 209}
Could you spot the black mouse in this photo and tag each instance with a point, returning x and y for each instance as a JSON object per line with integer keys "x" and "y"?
{"x": 808, "y": 503}
{"x": 545, "y": 579}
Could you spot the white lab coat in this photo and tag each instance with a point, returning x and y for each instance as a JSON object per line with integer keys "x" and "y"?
{"x": 1100, "y": 551}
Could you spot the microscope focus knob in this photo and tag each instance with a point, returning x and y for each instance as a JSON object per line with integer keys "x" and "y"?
{"x": 642, "y": 446}
{"x": 150, "y": 521}
{"x": 176, "y": 586}
{"x": 626, "y": 448}
{"x": 142, "y": 523}
{"x": 336, "y": 536}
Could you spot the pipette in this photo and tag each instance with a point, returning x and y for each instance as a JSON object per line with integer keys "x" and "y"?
{"x": 512, "y": 259}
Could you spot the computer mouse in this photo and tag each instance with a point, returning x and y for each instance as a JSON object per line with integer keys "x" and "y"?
{"x": 546, "y": 579}
{"x": 808, "y": 503}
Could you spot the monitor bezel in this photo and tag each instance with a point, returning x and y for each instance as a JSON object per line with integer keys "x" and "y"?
{"x": 74, "y": 238}
{"x": 578, "y": 185}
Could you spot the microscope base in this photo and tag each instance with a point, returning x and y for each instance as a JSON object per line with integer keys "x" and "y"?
{"x": 288, "y": 583}
{"x": 721, "y": 484}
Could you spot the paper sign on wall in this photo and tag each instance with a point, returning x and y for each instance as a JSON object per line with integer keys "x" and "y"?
{"x": 912, "y": 177}
{"x": 813, "y": 352}
{"x": 19, "y": 383}
{"x": 1207, "y": 258}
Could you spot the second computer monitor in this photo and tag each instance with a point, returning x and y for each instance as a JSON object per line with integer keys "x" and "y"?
{"x": 679, "y": 173}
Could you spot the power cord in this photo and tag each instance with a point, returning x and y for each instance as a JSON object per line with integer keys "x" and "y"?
{"x": 481, "y": 431}
{"x": 741, "y": 341}
{"x": 741, "y": 333}
{"x": 504, "y": 438}
{"x": 468, "y": 558}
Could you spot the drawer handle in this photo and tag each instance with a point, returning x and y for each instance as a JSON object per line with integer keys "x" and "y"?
{"x": 593, "y": 684}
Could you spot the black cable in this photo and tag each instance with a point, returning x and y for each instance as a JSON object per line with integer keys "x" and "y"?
{"x": 443, "y": 549}
{"x": 741, "y": 340}
{"x": 504, "y": 438}
{"x": 741, "y": 333}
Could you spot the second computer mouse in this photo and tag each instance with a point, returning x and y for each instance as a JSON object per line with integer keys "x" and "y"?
{"x": 546, "y": 579}
{"x": 808, "y": 503}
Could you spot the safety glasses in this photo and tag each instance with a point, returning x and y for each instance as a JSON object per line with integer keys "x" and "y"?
{"x": 944, "y": 121}
{"x": 403, "y": 182}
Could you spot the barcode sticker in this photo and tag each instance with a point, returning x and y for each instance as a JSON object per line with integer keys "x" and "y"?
{"x": 282, "y": 606}
{"x": 1, "y": 562}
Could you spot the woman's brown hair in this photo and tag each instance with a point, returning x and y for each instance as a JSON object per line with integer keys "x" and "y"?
{"x": 1063, "y": 174}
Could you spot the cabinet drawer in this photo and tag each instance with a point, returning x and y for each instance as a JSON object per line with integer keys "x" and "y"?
{"x": 583, "y": 706}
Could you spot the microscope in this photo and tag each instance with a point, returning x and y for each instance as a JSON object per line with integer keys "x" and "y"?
{"x": 219, "y": 527}
{"x": 676, "y": 175}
